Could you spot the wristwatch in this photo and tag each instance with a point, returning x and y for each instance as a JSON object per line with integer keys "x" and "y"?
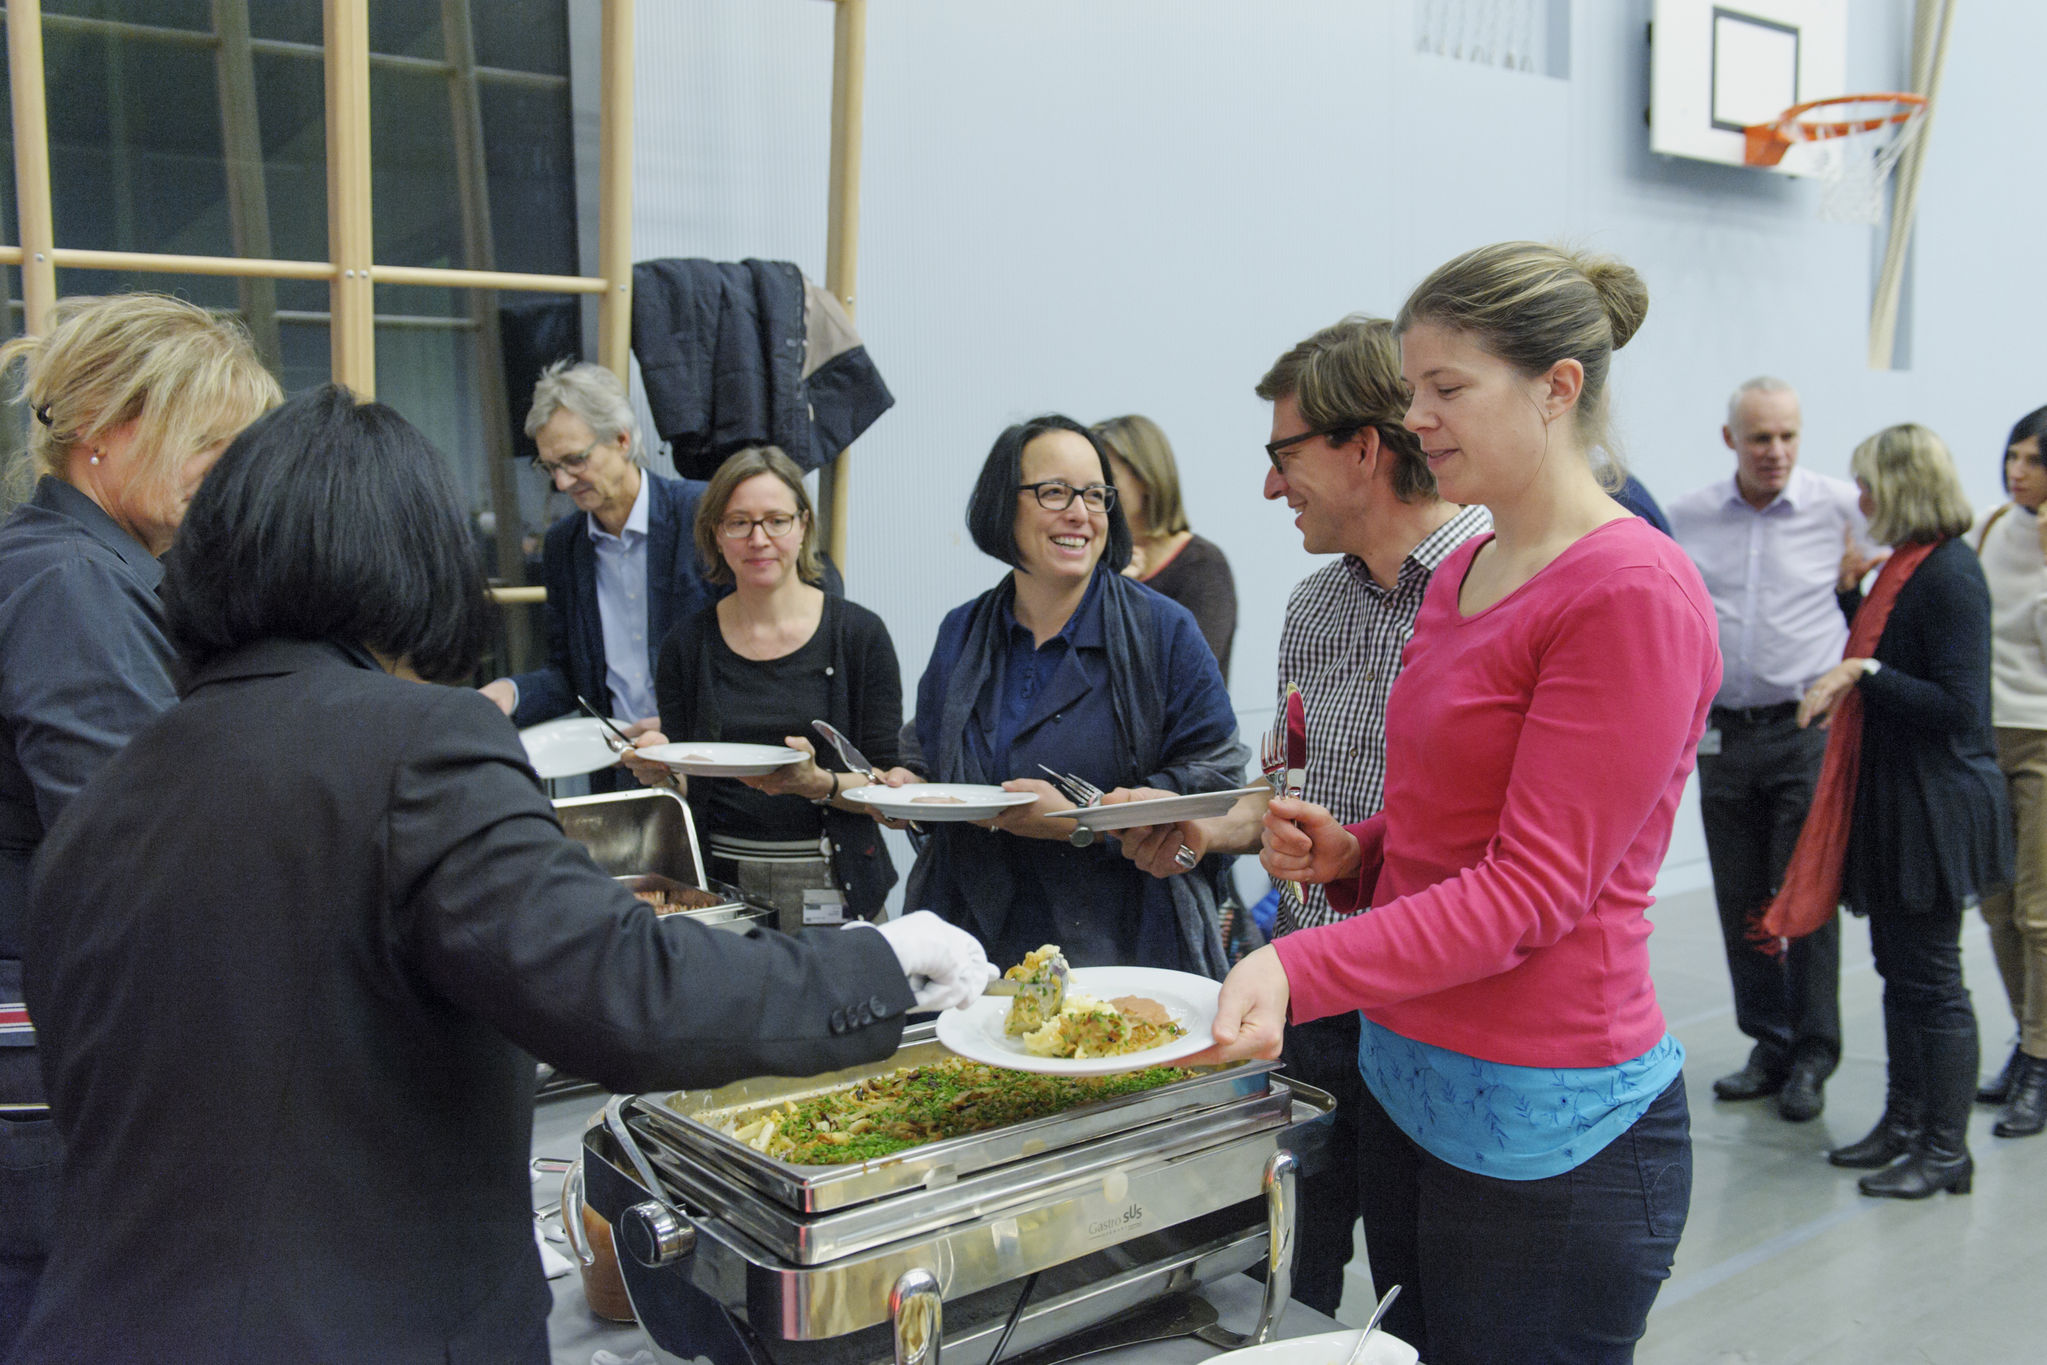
{"x": 831, "y": 795}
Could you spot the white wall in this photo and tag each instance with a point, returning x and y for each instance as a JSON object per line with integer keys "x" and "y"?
{"x": 1101, "y": 206}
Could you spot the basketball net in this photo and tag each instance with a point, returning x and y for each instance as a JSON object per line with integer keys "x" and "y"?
{"x": 1854, "y": 172}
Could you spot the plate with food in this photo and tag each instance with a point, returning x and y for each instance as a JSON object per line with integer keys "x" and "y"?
{"x": 1159, "y": 810}
{"x": 937, "y": 802}
{"x": 568, "y": 747}
{"x": 703, "y": 758}
{"x": 1105, "y": 1020}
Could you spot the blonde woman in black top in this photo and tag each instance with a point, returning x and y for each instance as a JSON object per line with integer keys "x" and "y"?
{"x": 1166, "y": 555}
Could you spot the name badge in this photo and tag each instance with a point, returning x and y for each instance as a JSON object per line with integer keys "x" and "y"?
{"x": 823, "y": 907}
{"x": 1709, "y": 743}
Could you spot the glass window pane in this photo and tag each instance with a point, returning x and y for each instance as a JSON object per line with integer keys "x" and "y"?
{"x": 522, "y": 35}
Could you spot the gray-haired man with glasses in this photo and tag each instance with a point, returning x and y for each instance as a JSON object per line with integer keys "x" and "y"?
{"x": 620, "y": 570}
{"x": 1358, "y": 487}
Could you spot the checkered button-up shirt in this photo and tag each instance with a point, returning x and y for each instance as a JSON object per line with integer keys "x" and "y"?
{"x": 1342, "y": 643}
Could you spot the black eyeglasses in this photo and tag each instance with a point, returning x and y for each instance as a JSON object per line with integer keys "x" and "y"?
{"x": 1274, "y": 448}
{"x": 569, "y": 464}
{"x": 1056, "y": 495}
{"x": 776, "y": 524}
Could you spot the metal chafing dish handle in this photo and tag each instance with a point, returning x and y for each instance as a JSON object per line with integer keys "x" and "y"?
{"x": 1279, "y": 1258}
{"x": 654, "y": 1231}
{"x": 913, "y": 1304}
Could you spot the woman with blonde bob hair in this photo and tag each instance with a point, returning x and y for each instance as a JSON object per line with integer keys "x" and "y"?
{"x": 757, "y": 667}
{"x": 1523, "y": 1110}
{"x": 134, "y": 397}
{"x": 1909, "y": 825}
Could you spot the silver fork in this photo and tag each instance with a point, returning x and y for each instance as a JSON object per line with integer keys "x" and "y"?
{"x": 1082, "y": 792}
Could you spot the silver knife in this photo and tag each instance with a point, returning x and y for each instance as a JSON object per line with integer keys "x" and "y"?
{"x": 851, "y": 756}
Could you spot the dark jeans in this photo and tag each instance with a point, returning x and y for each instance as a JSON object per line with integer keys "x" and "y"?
{"x": 1929, "y": 1022}
{"x": 1510, "y": 1272}
{"x": 1324, "y": 1053}
{"x": 28, "y": 1191}
{"x": 1753, "y": 796}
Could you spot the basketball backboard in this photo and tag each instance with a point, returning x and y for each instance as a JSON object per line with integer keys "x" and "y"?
{"x": 1718, "y": 65}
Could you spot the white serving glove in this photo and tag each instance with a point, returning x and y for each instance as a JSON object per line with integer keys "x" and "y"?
{"x": 947, "y": 967}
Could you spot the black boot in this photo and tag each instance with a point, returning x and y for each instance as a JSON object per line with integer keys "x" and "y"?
{"x": 1894, "y": 1135}
{"x": 1897, "y": 1131}
{"x": 1941, "y": 1160}
{"x": 2025, "y": 1113}
{"x": 1997, "y": 1089}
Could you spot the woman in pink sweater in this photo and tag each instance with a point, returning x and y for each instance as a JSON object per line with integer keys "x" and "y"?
{"x": 1530, "y": 1141}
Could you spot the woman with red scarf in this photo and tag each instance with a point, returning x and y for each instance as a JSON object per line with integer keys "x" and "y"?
{"x": 1909, "y": 825}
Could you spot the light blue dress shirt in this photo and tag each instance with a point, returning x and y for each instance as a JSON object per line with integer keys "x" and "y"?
{"x": 622, "y": 610}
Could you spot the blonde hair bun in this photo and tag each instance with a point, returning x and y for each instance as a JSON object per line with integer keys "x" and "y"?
{"x": 1621, "y": 293}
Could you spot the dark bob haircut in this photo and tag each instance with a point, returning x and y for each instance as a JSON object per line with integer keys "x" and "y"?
{"x": 991, "y": 511}
{"x": 2033, "y": 424}
{"x": 329, "y": 519}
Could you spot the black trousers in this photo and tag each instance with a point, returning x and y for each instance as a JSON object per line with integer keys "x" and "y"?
{"x": 1754, "y": 795}
{"x": 1324, "y": 1053}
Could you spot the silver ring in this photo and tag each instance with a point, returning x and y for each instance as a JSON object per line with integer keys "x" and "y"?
{"x": 1187, "y": 858}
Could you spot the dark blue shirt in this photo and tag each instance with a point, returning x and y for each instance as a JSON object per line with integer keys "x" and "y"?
{"x": 84, "y": 665}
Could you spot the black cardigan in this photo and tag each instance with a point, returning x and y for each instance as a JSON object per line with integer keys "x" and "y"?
{"x": 1931, "y": 828}
{"x": 866, "y": 706}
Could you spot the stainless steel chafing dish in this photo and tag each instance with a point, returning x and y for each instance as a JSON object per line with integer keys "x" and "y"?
{"x": 637, "y": 835}
{"x": 748, "y": 1260}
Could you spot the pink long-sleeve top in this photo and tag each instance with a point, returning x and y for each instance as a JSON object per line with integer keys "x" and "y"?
{"x": 1535, "y": 754}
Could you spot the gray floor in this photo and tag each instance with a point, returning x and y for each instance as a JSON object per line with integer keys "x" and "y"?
{"x": 1782, "y": 1261}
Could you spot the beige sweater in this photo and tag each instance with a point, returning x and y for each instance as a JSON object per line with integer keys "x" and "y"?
{"x": 2017, "y": 572}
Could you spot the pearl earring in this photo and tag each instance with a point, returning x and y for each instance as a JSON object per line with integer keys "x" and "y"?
{"x": 94, "y": 460}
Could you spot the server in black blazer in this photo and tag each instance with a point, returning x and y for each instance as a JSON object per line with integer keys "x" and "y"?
{"x": 1929, "y": 834}
{"x": 620, "y": 570}
{"x": 291, "y": 949}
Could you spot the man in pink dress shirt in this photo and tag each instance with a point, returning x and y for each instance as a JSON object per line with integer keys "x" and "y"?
{"x": 1769, "y": 543}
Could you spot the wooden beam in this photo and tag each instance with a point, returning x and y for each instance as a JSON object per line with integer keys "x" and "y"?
{"x": 486, "y": 279}
{"x": 842, "y": 232}
{"x": 1933, "y": 21}
{"x": 241, "y": 145}
{"x": 82, "y": 258}
{"x": 31, "y": 162}
{"x": 519, "y": 596}
{"x": 350, "y": 240}
{"x": 615, "y": 191}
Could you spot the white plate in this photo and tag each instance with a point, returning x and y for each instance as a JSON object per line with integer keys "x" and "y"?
{"x": 568, "y": 747}
{"x": 1329, "y": 1348}
{"x": 976, "y": 1031}
{"x": 702, "y": 758}
{"x": 1159, "y": 810}
{"x": 969, "y": 801}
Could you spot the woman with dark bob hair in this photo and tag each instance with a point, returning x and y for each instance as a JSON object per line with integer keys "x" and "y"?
{"x": 1068, "y": 664}
{"x": 2011, "y": 542}
{"x": 294, "y": 949}
{"x": 757, "y": 667}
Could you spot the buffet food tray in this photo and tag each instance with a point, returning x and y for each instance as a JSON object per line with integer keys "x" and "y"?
{"x": 688, "y": 1120}
{"x": 647, "y": 836}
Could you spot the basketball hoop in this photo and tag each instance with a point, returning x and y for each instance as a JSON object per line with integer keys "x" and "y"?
{"x": 1852, "y": 167}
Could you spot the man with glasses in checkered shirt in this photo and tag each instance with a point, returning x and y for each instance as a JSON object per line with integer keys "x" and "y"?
{"x": 1358, "y": 486}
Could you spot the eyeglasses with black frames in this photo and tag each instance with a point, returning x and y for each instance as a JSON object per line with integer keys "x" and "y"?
{"x": 776, "y": 524}
{"x": 571, "y": 465}
{"x": 1056, "y": 495}
{"x": 1285, "y": 444}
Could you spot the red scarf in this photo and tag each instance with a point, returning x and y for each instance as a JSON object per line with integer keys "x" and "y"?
{"x": 1812, "y": 884}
